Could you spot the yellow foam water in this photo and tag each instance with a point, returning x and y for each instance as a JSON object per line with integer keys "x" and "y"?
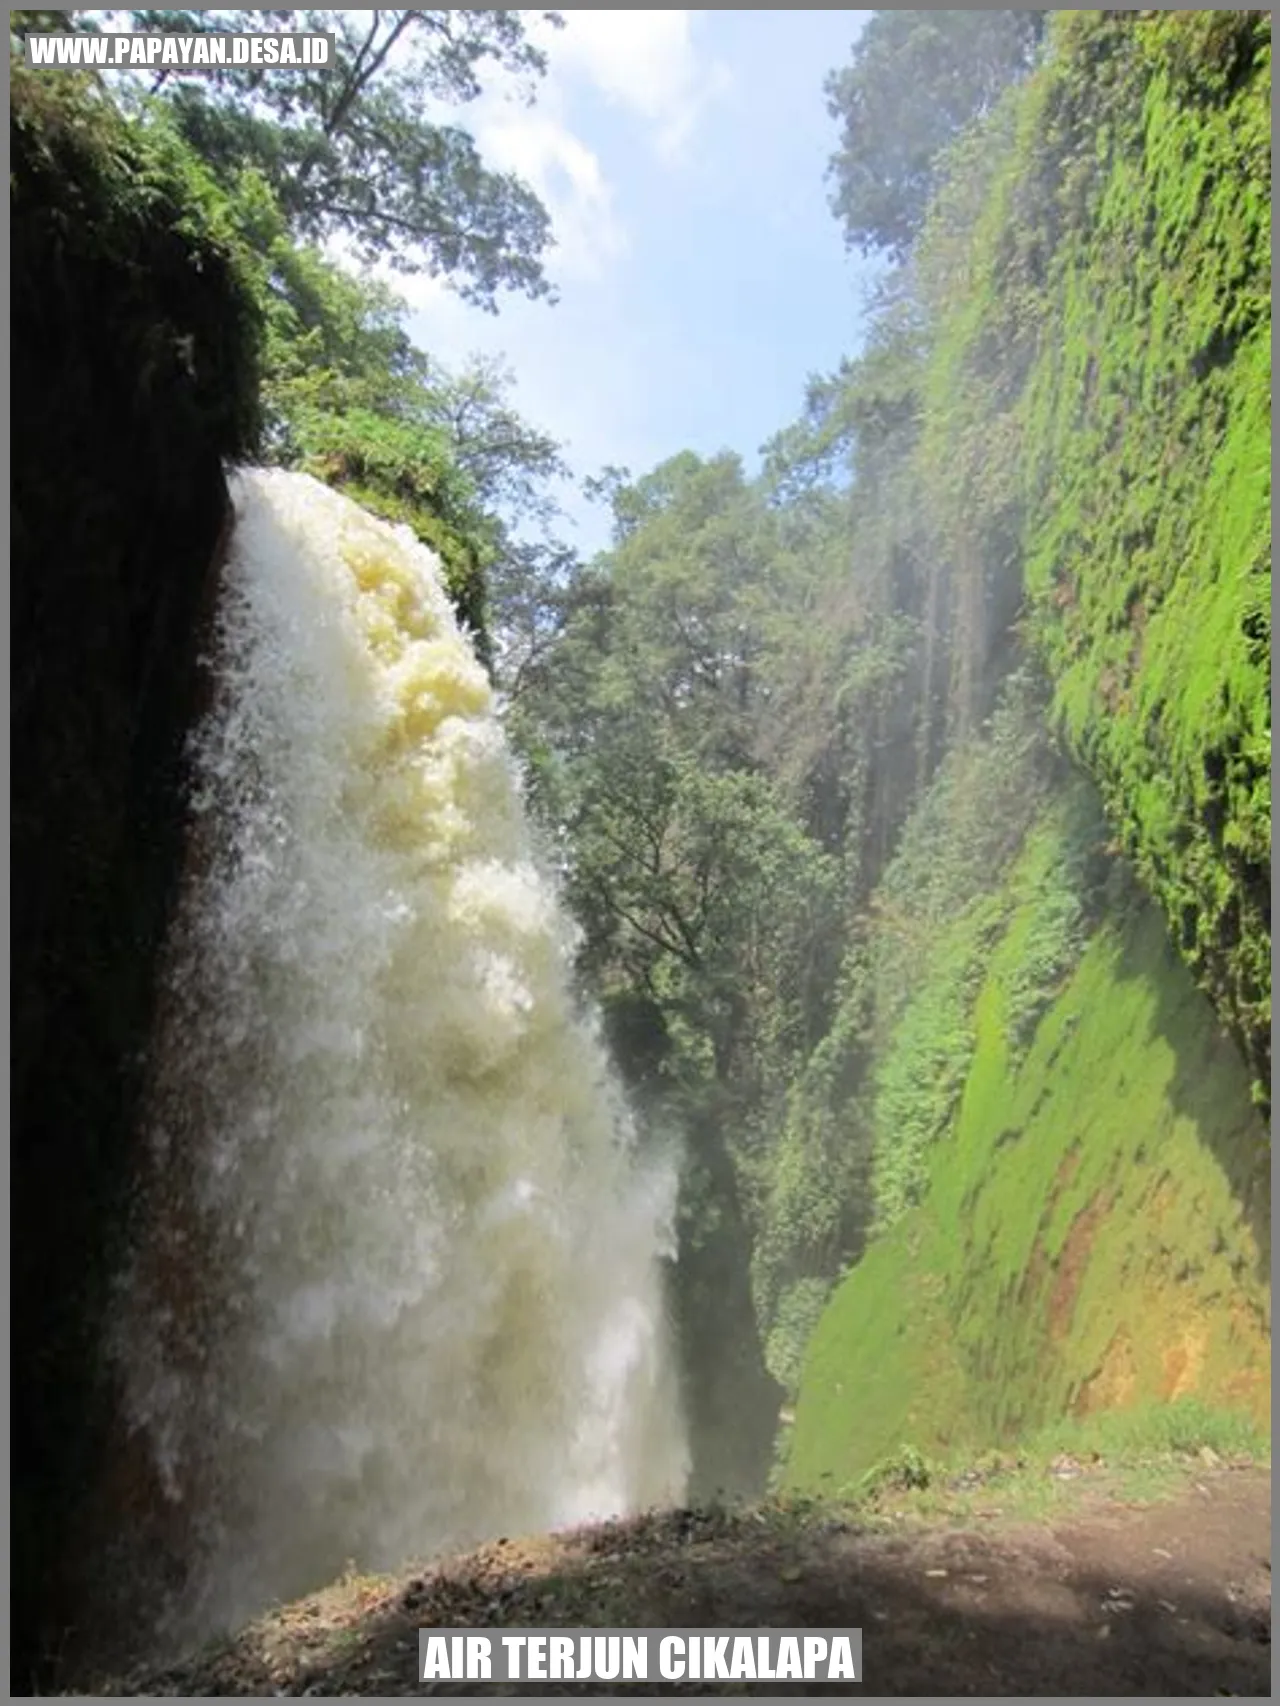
{"x": 427, "y": 1302}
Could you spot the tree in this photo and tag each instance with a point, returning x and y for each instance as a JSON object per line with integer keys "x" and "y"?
{"x": 348, "y": 397}
{"x": 707, "y": 910}
{"x": 510, "y": 467}
{"x": 23, "y": 24}
{"x": 915, "y": 81}
{"x": 278, "y": 163}
{"x": 697, "y": 885}
{"x": 355, "y": 149}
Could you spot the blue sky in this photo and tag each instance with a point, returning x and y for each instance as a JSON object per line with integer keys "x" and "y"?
{"x": 702, "y": 277}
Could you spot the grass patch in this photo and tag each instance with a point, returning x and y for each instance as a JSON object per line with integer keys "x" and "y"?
{"x": 1153, "y": 1432}
{"x": 1138, "y": 1456}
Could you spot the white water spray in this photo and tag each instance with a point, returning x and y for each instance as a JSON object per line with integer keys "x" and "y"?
{"x": 399, "y": 1283}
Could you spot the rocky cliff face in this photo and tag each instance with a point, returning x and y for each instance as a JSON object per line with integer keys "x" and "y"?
{"x": 132, "y": 381}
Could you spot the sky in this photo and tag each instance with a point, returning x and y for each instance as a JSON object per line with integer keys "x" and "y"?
{"x": 701, "y": 275}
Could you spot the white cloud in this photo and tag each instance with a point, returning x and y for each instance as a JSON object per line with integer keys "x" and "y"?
{"x": 539, "y": 147}
{"x": 645, "y": 64}
{"x": 644, "y": 61}
{"x": 582, "y": 373}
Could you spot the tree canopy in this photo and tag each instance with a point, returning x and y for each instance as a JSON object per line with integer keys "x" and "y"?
{"x": 915, "y": 81}
{"x": 359, "y": 149}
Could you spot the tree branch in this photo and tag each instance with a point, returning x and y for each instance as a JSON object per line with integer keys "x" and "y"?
{"x": 657, "y": 936}
{"x": 358, "y": 79}
{"x": 361, "y": 215}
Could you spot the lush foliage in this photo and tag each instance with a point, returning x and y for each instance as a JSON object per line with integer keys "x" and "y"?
{"x": 104, "y": 194}
{"x": 357, "y": 149}
{"x": 1093, "y": 1233}
{"x": 799, "y": 735}
{"x": 1093, "y": 436}
{"x": 128, "y": 220}
{"x": 914, "y": 81}
{"x": 1148, "y": 466}
{"x": 342, "y": 391}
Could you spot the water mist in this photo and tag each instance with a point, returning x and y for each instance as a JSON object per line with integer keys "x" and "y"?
{"x": 397, "y": 1281}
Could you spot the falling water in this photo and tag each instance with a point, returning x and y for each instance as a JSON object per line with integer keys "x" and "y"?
{"x": 398, "y": 1286}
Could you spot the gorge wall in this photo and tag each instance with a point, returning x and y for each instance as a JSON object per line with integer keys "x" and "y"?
{"x": 132, "y": 381}
{"x": 1071, "y": 1172}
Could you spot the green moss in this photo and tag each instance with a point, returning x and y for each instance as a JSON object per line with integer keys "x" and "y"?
{"x": 1067, "y": 1173}
{"x": 926, "y": 1062}
{"x": 1096, "y": 439}
{"x": 1147, "y": 450}
{"x": 1094, "y": 1235}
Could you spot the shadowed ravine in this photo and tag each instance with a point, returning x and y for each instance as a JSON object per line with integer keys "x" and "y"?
{"x": 396, "y": 1275}
{"x": 675, "y": 1045}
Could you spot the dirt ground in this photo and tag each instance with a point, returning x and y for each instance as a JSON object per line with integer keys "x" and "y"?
{"x": 1107, "y": 1598}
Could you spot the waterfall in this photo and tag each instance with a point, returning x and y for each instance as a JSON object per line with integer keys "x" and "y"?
{"x": 397, "y": 1279}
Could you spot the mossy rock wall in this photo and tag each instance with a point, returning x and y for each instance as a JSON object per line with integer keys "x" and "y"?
{"x": 1078, "y": 1220}
{"x": 132, "y": 381}
{"x": 1145, "y": 178}
{"x": 1095, "y": 1234}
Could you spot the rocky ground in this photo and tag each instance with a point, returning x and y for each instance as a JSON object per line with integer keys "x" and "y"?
{"x": 1104, "y": 1593}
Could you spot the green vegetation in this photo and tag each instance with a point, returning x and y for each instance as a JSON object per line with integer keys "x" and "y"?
{"x": 913, "y": 795}
{"x": 1139, "y": 1455}
{"x": 941, "y": 908}
{"x": 1097, "y": 423}
{"x": 1094, "y": 418}
{"x": 917, "y": 78}
{"x": 355, "y": 149}
{"x": 314, "y": 367}
{"x": 325, "y": 373}
{"x": 846, "y": 759}
{"x": 1094, "y": 1233}
{"x": 94, "y": 193}
{"x": 1148, "y": 455}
